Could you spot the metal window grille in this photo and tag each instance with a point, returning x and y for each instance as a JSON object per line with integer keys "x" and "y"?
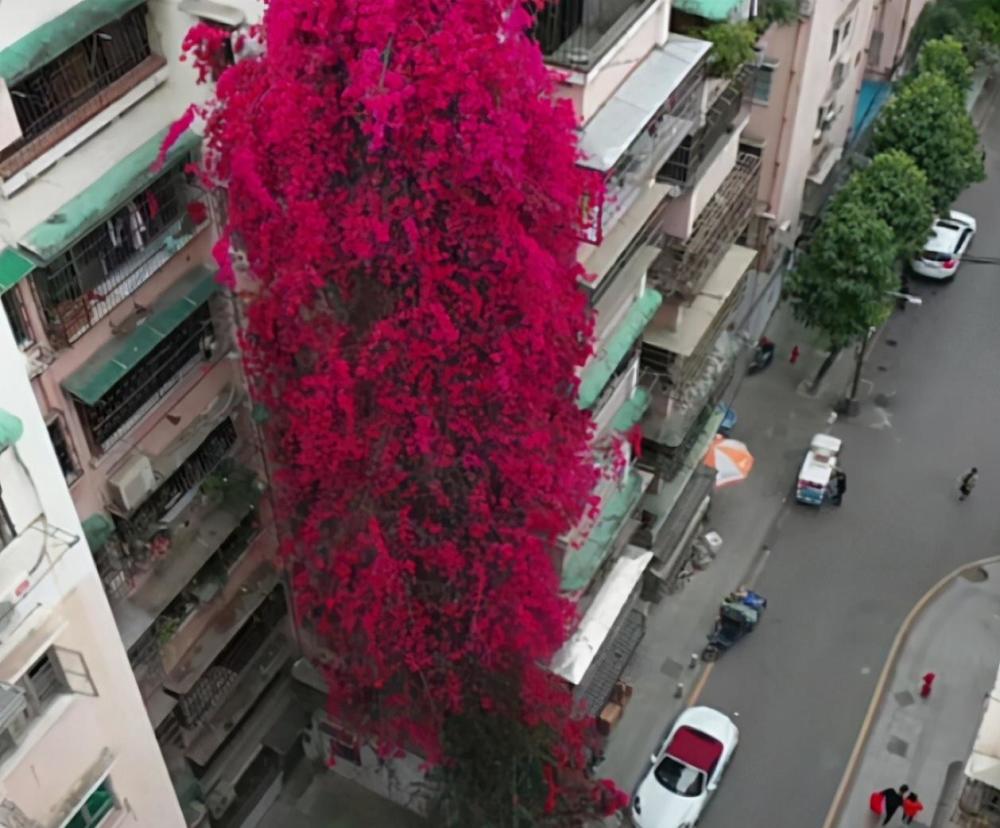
{"x": 7, "y": 531}
{"x": 763, "y": 80}
{"x": 70, "y": 80}
{"x": 132, "y": 397}
{"x": 13, "y": 306}
{"x": 239, "y": 541}
{"x": 43, "y": 682}
{"x": 190, "y": 473}
{"x": 111, "y": 262}
{"x": 64, "y": 449}
{"x": 576, "y": 33}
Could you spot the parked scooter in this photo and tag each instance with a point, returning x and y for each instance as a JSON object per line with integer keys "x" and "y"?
{"x": 763, "y": 355}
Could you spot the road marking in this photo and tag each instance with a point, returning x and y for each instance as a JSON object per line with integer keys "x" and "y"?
{"x": 699, "y": 685}
{"x": 880, "y": 686}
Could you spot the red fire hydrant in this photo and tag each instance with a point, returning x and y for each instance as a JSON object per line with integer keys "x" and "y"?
{"x": 795, "y": 355}
{"x": 925, "y": 690}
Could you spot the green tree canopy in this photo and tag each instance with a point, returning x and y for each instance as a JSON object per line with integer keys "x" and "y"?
{"x": 896, "y": 190}
{"x": 946, "y": 55}
{"x": 839, "y": 287}
{"x": 928, "y": 122}
{"x": 732, "y": 47}
{"x": 976, "y": 23}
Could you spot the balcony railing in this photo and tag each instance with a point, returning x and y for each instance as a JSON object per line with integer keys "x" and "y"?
{"x": 575, "y": 34}
{"x": 685, "y": 165}
{"x": 110, "y": 263}
{"x": 684, "y": 264}
{"x": 61, "y": 96}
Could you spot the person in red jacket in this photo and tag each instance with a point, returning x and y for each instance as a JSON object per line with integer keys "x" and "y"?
{"x": 911, "y": 807}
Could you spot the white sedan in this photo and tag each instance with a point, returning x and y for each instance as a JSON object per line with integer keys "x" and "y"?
{"x": 942, "y": 253}
{"x": 686, "y": 770}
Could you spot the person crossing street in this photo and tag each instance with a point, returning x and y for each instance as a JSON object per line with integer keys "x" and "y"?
{"x": 968, "y": 483}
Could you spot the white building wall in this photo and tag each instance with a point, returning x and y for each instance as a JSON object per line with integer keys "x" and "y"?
{"x": 102, "y": 728}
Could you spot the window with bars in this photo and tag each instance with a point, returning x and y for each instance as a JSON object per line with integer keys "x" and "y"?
{"x": 576, "y": 33}
{"x": 85, "y": 283}
{"x": 64, "y": 449}
{"x": 7, "y": 530}
{"x": 43, "y": 683}
{"x": 762, "y": 82}
{"x": 72, "y": 80}
{"x": 149, "y": 381}
{"x": 16, "y": 316}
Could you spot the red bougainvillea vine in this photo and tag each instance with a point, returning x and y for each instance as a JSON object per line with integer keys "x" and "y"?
{"x": 403, "y": 186}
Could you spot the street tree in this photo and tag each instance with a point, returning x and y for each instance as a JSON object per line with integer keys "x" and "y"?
{"x": 838, "y": 288}
{"x": 946, "y": 55}
{"x": 974, "y": 23}
{"x": 403, "y": 209}
{"x": 895, "y": 189}
{"x": 927, "y": 120}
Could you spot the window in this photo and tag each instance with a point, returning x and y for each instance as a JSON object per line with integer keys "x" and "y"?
{"x": 7, "y": 530}
{"x": 763, "y": 79}
{"x": 64, "y": 449}
{"x": 149, "y": 381}
{"x": 85, "y": 283}
{"x": 835, "y": 43}
{"x": 875, "y": 48}
{"x": 43, "y": 683}
{"x": 74, "y": 81}
{"x": 95, "y": 807}
{"x": 14, "y": 308}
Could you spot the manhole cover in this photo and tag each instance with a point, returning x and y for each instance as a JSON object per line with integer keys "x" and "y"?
{"x": 904, "y": 699}
{"x": 672, "y": 668}
{"x": 977, "y": 574}
{"x": 897, "y": 746}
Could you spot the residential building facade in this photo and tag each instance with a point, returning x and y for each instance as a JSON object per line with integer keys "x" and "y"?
{"x": 108, "y": 283}
{"x": 892, "y": 25}
{"x": 76, "y": 746}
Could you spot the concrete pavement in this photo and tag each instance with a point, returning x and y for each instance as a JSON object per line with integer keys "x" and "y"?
{"x": 917, "y": 741}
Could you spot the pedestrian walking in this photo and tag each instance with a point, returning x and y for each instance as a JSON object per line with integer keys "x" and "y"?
{"x": 794, "y": 355}
{"x": 969, "y": 480}
{"x": 893, "y": 801}
{"x": 838, "y": 487}
{"x": 911, "y": 807}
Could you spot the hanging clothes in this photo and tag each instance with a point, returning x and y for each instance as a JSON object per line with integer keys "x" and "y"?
{"x": 136, "y": 227}
{"x": 113, "y": 233}
{"x": 152, "y": 204}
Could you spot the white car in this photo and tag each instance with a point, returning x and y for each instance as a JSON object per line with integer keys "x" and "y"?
{"x": 817, "y": 469}
{"x": 686, "y": 770}
{"x": 949, "y": 239}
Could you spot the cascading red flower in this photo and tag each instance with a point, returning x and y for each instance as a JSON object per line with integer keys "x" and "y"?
{"x": 402, "y": 182}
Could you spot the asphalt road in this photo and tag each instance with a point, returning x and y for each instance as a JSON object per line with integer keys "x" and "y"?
{"x": 840, "y": 581}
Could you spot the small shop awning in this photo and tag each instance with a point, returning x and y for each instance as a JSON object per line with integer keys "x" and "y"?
{"x": 984, "y": 761}
{"x": 580, "y": 565}
{"x": 616, "y": 125}
{"x": 709, "y": 9}
{"x": 51, "y": 39}
{"x": 120, "y": 356}
{"x": 602, "y": 365}
{"x": 575, "y": 656}
{"x": 13, "y": 268}
{"x": 697, "y": 317}
{"x": 102, "y": 198}
{"x": 11, "y": 429}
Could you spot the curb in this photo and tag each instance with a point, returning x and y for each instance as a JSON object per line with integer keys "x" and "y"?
{"x": 878, "y": 695}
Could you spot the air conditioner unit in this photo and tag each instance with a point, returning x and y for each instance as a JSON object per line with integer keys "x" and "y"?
{"x": 817, "y": 136}
{"x": 829, "y": 117}
{"x": 13, "y": 707}
{"x": 133, "y": 480}
{"x": 222, "y": 796}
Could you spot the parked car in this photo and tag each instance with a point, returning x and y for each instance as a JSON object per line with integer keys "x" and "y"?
{"x": 950, "y": 238}
{"x": 817, "y": 469}
{"x": 686, "y": 770}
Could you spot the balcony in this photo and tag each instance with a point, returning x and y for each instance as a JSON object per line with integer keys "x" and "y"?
{"x": 57, "y": 83}
{"x": 576, "y": 34}
{"x": 684, "y": 167}
{"x": 640, "y": 126}
{"x": 684, "y": 264}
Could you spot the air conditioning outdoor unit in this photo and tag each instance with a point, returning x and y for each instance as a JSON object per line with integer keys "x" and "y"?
{"x": 132, "y": 482}
{"x": 219, "y": 800}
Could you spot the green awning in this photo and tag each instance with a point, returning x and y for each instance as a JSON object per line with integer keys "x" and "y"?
{"x": 602, "y": 366}
{"x": 97, "y": 529}
{"x": 102, "y": 198}
{"x": 709, "y": 9}
{"x": 580, "y": 565}
{"x": 120, "y": 356}
{"x": 11, "y": 429}
{"x": 51, "y": 39}
{"x": 630, "y": 413}
{"x": 13, "y": 268}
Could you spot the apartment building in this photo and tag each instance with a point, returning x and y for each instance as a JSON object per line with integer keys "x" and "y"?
{"x": 107, "y": 282}
{"x": 76, "y": 746}
{"x": 892, "y": 25}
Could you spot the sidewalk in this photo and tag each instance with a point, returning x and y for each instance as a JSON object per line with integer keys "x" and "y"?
{"x": 776, "y": 420}
{"x": 925, "y": 743}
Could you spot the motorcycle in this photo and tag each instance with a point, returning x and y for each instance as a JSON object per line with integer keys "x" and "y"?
{"x": 763, "y": 356}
